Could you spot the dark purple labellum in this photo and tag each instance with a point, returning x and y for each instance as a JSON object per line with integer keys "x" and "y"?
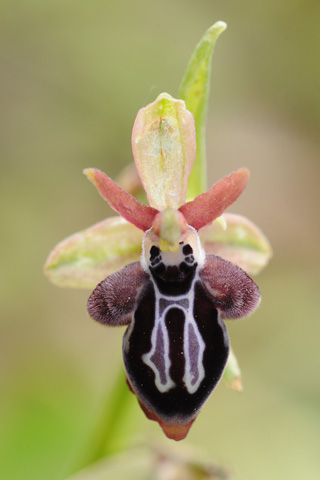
{"x": 176, "y": 345}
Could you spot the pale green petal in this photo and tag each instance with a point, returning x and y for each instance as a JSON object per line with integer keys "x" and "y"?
{"x": 242, "y": 243}
{"x": 163, "y": 145}
{"x": 194, "y": 90}
{"x": 85, "y": 258}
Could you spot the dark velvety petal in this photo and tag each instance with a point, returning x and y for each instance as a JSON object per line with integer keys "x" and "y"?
{"x": 113, "y": 301}
{"x": 235, "y": 294}
{"x": 211, "y": 204}
{"x": 121, "y": 201}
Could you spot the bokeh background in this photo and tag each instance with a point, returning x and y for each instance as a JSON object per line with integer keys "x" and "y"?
{"x": 73, "y": 76}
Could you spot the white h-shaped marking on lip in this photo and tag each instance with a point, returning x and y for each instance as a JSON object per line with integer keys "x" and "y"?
{"x": 147, "y": 357}
{"x": 188, "y": 374}
{"x": 160, "y": 328}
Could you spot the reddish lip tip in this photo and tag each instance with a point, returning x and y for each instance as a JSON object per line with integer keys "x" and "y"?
{"x": 174, "y": 431}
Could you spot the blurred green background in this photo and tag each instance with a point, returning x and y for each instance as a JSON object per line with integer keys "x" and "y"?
{"x": 73, "y": 76}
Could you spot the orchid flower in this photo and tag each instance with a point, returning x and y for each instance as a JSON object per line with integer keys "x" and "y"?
{"x": 171, "y": 271}
{"x": 174, "y": 299}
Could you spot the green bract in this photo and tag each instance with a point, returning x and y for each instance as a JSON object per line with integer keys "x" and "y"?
{"x": 194, "y": 90}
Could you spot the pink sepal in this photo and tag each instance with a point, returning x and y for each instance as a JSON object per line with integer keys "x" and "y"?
{"x": 210, "y": 205}
{"x": 121, "y": 201}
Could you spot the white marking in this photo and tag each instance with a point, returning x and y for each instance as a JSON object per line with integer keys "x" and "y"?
{"x": 188, "y": 374}
{"x": 191, "y": 237}
{"x": 160, "y": 324}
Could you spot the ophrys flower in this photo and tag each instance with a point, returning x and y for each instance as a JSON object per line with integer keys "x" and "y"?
{"x": 175, "y": 298}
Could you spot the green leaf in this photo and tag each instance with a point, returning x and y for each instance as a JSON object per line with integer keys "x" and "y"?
{"x": 242, "y": 243}
{"x": 194, "y": 90}
{"x": 85, "y": 258}
{"x": 164, "y": 147}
